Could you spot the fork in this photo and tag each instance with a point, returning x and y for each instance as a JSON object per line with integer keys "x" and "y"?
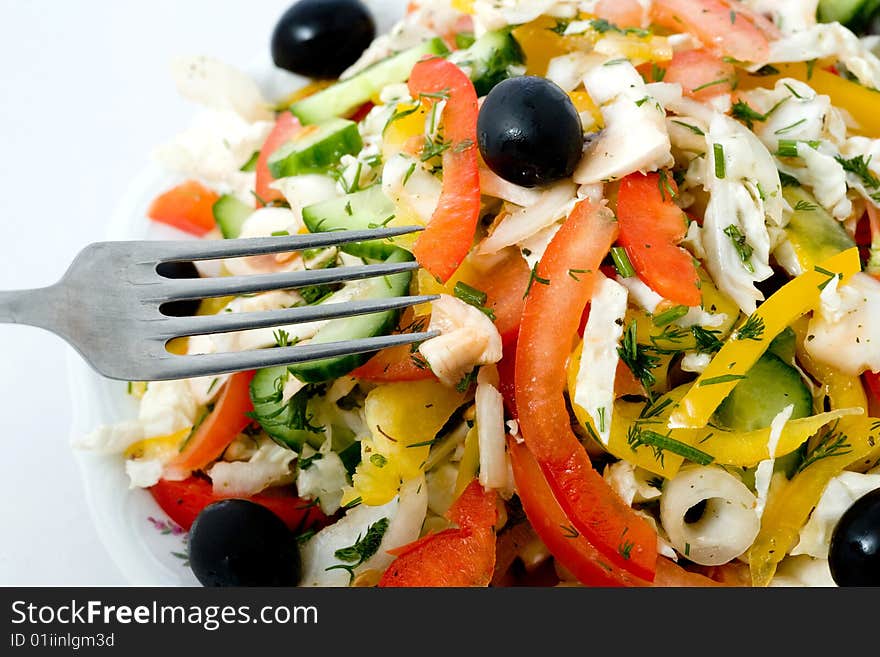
{"x": 108, "y": 305}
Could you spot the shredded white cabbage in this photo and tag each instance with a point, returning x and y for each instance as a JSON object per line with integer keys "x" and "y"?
{"x": 634, "y": 137}
{"x": 594, "y": 390}
{"x": 269, "y": 466}
{"x": 845, "y": 330}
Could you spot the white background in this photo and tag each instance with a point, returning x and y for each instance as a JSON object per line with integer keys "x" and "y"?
{"x": 86, "y": 96}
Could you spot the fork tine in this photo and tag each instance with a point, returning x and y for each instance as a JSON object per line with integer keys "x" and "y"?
{"x": 225, "y": 323}
{"x": 199, "y": 288}
{"x": 217, "y": 249}
{"x": 185, "y": 367}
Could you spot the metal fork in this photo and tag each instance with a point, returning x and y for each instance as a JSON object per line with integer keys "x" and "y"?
{"x": 108, "y": 305}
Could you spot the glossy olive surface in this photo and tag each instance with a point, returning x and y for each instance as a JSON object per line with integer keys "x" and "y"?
{"x": 529, "y": 132}
{"x": 854, "y": 555}
{"x": 239, "y": 543}
{"x": 322, "y": 38}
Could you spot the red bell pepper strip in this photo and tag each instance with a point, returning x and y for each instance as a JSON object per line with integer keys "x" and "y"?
{"x": 361, "y": 112}
{"x": 188, "y": 207}
{"x": 507, "y": 378}
{"x": 651, "y": 226}
{"x": 565, "y": 542}
{"x": 184, "y": 500}
{"x": 569, "y": 546}
{"x": 454, "y": 557}
{"x": 564, "y": 283}
{"x": 872, "y": 382}
{"x": 443, "y": 245}
{"x": 287, "y": 126}
{"x": 393, "y": 365}
{"x": 217, "y": 430}
{"x": 726, "y": 27}
{"x": 505, "y": 286}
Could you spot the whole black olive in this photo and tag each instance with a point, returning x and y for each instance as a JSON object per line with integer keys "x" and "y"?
{"x": 185, "y": 308}
{"x": 322, "y": 38}
{"x": 240, "y": 543}
{"x": 854, "y": 554}
{"x": 529, "y": 132}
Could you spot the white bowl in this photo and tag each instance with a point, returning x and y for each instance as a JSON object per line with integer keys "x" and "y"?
{"x": 145, "y": 545}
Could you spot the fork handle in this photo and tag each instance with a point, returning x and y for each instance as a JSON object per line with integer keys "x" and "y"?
{"x": 32, "y": 307}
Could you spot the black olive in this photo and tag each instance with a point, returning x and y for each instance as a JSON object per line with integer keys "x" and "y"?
{"x": 854, "y": 554}
{"x": 322, "y": 38}
{"x": 185, "y": 308}
{"x": 529, "y": 132}
{"x": 239, "y": 543}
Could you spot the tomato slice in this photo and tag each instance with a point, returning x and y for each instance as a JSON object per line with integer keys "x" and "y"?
{"x": 218, "y": 429}
{"x": 651, "y": 226}
{"x": 287, "y": 126}
{"x": 188, "y": 207}
{"x": 623, "y": 13}
{"x": 448, "y": 238}
{"x": 184, "y": 500}
{"x": 724, "y": 26}
{"x": 454, "y": 557}
{"x": 552, "y": 313}
{"x": 701, "y": 74}
{"x": 394, "y": 364}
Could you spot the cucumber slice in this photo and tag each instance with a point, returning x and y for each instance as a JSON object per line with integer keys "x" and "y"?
{"x": 316, "y": 149}
{"x": 345, "y": 96}
{"x": 230, "y": 213}
{"x": 768, "y": 388}
{"x": 353, "y": 328}
{"x": 360, "y": 211}
{"x": 490, "y": 59}
{"x": 279, "y": 418}
{"x": 813, "y": 234}
{"x": 251, "y": 165}
{"x": 847, "y": 11}
{"x": 784, "y": 345}
{"x": 464, "y": 40}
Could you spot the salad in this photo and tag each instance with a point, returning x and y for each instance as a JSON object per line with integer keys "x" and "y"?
{"x": 653, "y": 230}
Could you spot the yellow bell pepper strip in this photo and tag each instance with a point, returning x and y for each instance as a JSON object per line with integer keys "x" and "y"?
{"x": 406, "y": 125}
{"x": 748, "y": 448}
{"x": 403, "y": 419}
{"x": 746, "y": 345}
{"x": 625, "y": 416}
{"x": 741, "y": 449}
{"x": 790, "y": 503}
{"x": 158, "y": 447}
{"x": 859, "y": 101}
{"x": 583, "y": 102}
{"x": 540, "y": 42}
{"x": 469, "y": 466}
